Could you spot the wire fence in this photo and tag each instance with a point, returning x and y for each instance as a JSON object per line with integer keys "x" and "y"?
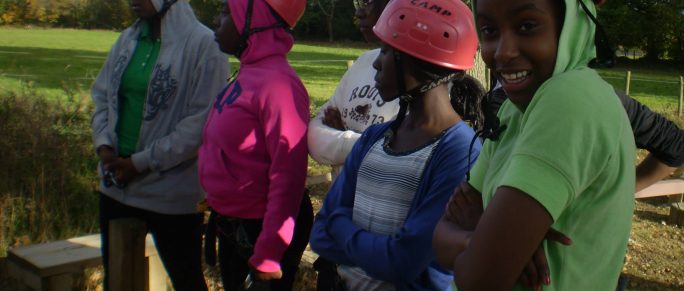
{"x": 628, "y": 79}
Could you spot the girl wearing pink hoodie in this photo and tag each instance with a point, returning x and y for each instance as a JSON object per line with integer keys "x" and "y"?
{"x": 253, "y": 158}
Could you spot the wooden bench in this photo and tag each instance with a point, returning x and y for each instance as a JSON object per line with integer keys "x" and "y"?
{"x": 54, "y": 265}
{"x": 672, "y": 188}
{"x": 662, "y": 188}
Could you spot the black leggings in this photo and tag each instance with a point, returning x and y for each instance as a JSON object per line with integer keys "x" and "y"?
{"x": 236, "y": 245}
{"x": 178, "y": 239}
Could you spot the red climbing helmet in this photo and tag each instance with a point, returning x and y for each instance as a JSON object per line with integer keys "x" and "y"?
{"x": 441, "y": 32}
{"x": 290, "y": 10}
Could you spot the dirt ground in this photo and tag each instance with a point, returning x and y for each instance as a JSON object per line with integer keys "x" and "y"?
{"x": 654, "y": 261}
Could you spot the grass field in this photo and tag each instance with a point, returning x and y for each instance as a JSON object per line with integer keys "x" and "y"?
{"x": 60, "y": 64}
{"x": 51, "y": 60}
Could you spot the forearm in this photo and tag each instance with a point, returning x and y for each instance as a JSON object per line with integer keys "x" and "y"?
{"x": 448, "y": 241}
{"x": 504, "y": 240}
{"x": 650, "y": 171}
{"x": 397, "y": 258}
{"x": 328, "y": 145}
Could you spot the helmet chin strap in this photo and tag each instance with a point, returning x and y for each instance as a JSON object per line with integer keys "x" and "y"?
{"x": 247, "y": 30}
{"x": 408, "y": 96}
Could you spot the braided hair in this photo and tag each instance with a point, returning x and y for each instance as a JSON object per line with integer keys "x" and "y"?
{"x": 466, "y": 92}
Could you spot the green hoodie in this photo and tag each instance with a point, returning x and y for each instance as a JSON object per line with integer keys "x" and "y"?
{"x": 572, "y": 150}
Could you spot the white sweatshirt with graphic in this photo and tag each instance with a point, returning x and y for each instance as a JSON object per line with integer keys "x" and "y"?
{"x": 360, "y": 106}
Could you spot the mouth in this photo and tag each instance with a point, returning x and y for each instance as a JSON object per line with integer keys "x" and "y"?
{"x": 515, "y": 77}
{"x": 515, "y": 81}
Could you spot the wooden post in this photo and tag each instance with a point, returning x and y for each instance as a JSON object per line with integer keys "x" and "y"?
{"x": 349, "y": 63}
{"x": 157, "y": 274}
{"x": 60, "y": 282}
{"x": 127, "y": 269}
{"x": 628, "y": 80}
{"x": 681, "y": 95}
{"x": 676, "y": 214}
{"x": 677, "y": 198}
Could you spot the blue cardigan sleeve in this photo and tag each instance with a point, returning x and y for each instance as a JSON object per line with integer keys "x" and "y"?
{"x": 400, "y": 258}
{"x": 340, "y": 196}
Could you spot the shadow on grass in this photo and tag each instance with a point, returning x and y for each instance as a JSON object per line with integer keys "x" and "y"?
{"x": 59, "y": 68}
{"x": 638, "y": 283}
{"x": 650, "y": 216}
{"x": 318, "y": 56}
{"x": 50, "y": 68}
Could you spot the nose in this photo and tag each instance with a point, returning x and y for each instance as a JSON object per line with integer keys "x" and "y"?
{"x": 507, "y": 48}
{"x": 376, "y": 64}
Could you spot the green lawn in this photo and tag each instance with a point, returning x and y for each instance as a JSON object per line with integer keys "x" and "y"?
{"x": 52, "y": 60}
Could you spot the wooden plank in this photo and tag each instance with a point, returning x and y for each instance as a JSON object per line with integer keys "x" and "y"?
{"x": 662, "y": 188}
{"x": 127, "y": 268}
{"x": 71, "y": 255}
{"x": 29, "y": 278}
{"x": 66, "y": 256}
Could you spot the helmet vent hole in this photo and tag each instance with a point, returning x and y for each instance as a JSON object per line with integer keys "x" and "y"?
{"x": 402, "y": 16}
{"x": 446, "y": 34}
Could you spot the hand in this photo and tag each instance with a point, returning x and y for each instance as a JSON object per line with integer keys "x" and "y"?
{"x": 536, "y": 271}
{"x": 333, "y": 118}
{"x": 123, "y": 170}
{"x": 262, "y": 276}
{"x": 465, "y": 207}
{"x": 106, "y": 154}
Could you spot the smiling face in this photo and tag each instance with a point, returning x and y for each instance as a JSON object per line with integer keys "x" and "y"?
{"x": 519, "y": 42}
{"x": 226, "y": 34}
{"x": 143, "y": 8}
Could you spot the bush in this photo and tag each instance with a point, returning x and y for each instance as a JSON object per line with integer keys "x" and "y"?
{"x": 47, "y": 168}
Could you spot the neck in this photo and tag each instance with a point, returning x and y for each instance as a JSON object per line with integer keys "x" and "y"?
{"x": 155, "y": 27}
{"x": 432, "y": 110}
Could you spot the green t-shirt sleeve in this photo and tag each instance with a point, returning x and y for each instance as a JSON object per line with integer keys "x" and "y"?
{"x": 565, "y": 141}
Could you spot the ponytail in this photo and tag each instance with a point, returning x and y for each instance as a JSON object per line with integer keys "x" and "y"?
{"x": 466, "y": 99}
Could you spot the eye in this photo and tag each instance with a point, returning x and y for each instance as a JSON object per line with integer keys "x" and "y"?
{"x": 487, "y": 30}
{"x": 528, "y": 26}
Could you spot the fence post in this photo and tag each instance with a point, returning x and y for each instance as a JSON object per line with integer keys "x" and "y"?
{"x": 628, "y": 80}
{"x": 681, "y": 95}
{"x": 127, "y": 266}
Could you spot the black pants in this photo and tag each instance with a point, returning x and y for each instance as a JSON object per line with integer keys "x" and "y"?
{"x": 178, "y": 239}
{"x": 236, "y": 245}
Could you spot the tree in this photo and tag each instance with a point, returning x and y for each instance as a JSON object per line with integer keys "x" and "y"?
{"x": 327, "y": 8}
{"x": 650, "y": 25}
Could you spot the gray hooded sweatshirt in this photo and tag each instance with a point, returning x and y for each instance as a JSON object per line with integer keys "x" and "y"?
{"x": 189, "y": 72}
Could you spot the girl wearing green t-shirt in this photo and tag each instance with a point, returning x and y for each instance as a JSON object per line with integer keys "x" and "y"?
{"x": 564, "y": 160}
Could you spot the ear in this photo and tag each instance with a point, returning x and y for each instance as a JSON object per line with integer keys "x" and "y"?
{"x": 410, "y": 74}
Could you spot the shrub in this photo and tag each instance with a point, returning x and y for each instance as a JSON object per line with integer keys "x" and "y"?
{"x": 47, "y": 168}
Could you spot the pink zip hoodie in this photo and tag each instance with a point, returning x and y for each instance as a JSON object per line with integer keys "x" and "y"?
{"x": 253, "y": 158}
